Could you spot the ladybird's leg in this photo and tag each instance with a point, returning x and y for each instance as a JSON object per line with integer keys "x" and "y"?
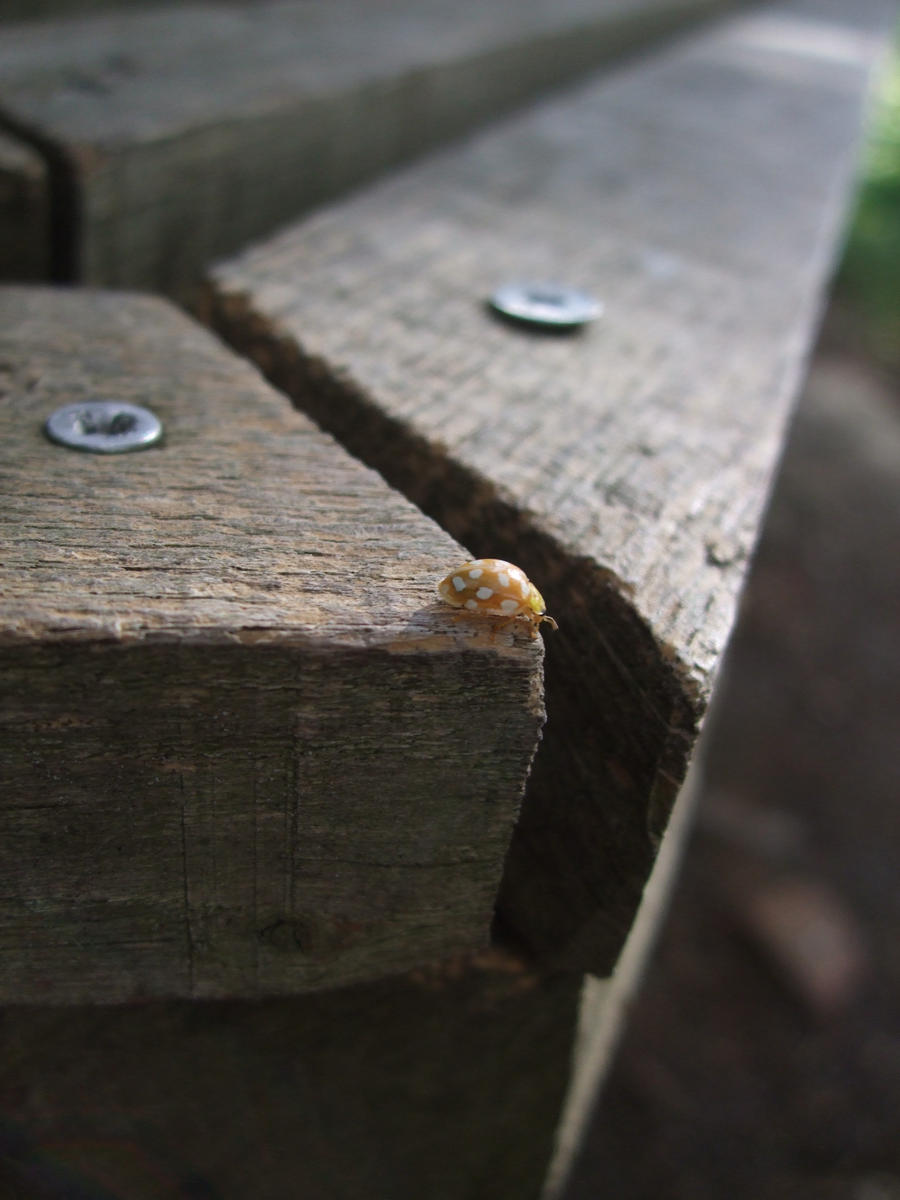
{"x": 460, "y": 613}
{"x": 499, "y": 623}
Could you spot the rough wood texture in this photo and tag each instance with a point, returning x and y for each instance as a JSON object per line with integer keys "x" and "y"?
{"x": 24, "y": 212}
{"x": 188, "y": 131}
{"x": 442, "y": 1086}
{"x": 700, "y": 195}
{"x": 245, "y": 750}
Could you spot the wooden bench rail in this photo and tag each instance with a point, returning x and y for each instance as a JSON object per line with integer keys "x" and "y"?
{"x": 245, "y": 750}
{"x": 181, "y": 133}
{"x": 700, "y": 195}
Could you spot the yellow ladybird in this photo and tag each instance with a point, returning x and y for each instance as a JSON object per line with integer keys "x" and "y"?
{"x": 495, "y": 587}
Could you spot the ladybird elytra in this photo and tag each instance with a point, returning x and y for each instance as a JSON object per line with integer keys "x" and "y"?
{"x": 496, "y": 588}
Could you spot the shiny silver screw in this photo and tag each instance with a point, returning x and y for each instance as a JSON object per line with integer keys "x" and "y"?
{"x": 548, "y": 305}
{"x": 104, "y": 427}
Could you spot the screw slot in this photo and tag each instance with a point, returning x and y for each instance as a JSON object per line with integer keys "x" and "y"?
{"x": 112, "y": 424}
{"x": 546, "y": 306}
{"x": 104, "y": 427}
{"x": 552, "y": 298}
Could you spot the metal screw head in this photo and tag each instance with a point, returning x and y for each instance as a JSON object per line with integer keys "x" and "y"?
{"x": 548, "y": 305}
{"x": 104, "y": 427}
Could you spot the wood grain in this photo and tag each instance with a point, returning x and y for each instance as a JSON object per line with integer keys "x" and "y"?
{"x": 700, "y": 194}
{"x": 245, "y": 749}
{"x": 24, "y": 212}
{"x": 186, "y": 131}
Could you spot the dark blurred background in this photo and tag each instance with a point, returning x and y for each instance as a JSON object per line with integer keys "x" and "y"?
{"x": 762, "y": 1057}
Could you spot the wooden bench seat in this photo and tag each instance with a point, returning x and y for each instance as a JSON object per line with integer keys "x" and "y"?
{"x": 179, "y": 133}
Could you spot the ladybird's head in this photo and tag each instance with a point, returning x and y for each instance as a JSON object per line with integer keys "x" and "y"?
{"x": 537, "y": 609}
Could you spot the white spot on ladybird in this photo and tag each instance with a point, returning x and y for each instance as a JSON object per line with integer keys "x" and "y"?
{"x": 459, "y": 583}
{"x": 509, "y": 606}
{"x": 523, "y": 588}
{"x": 503, "y": 577}
{"x": 476, "y": 573}
{"x": 484, "y": 593}
{"x": 471, "y": 604}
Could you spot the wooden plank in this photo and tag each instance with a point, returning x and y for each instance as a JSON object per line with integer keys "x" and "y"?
{"x": 245, "y": 749}
{"x": 187, "y": 131}
{"x": 24, "y": 212}
{"x": 700, "y": 195}
{"x": 443, "y": 1085}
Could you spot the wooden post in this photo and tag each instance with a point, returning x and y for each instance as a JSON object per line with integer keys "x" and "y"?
{"x": 625, "y": 467}
{"x": 180, "y": 133}
{"x": 245, "y": 750}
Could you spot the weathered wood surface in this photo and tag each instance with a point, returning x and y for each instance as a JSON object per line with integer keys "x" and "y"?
{"x": 700, "y": 194}
{"x": 445, "y": 1085}
{"x": 24, "y": 212}
{"x": 187, "y": 131}
{"x": 245, "y": 750}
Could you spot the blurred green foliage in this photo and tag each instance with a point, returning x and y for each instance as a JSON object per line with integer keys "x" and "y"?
{"x": 869, "y": 276}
